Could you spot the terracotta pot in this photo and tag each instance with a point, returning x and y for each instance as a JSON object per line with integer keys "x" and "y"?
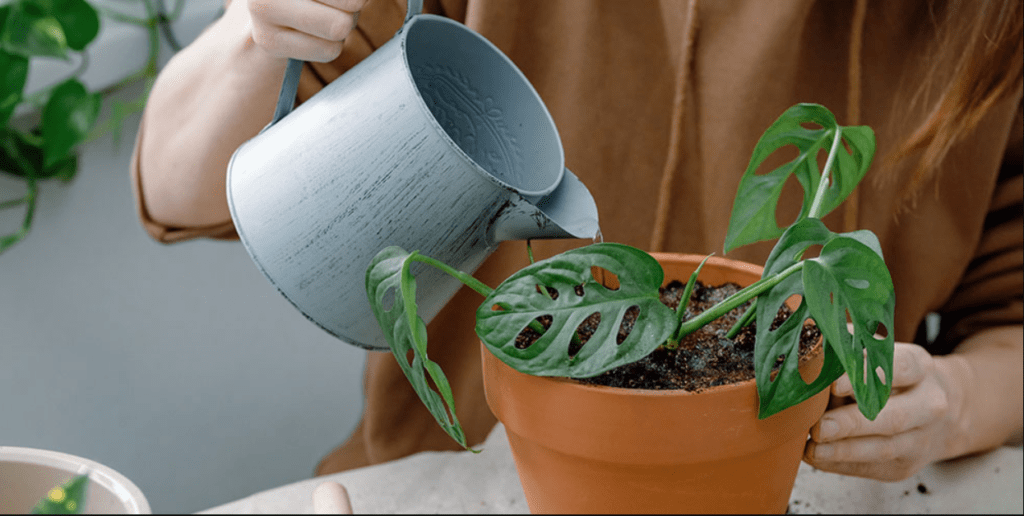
{"x": 594, "y": 449}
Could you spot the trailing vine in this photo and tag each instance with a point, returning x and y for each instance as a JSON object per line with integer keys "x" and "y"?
{"x": 68, "y": 110}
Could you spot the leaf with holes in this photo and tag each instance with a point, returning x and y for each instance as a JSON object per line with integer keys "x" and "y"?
{"x": 524, "y": 297}
{"x": 388, "y": 275}
{"x": 850, "y": 277}
{"x": 753, "y": 215}
{"x": 787, "y": 388}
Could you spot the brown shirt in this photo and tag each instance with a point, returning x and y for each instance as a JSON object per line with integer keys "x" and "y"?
{"x": 611, "y": 74}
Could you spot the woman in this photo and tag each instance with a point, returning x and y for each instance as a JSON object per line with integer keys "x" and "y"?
{"x": 663, "y": 101}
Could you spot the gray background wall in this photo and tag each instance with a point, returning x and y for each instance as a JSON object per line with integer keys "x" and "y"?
{"x": 179, "y": 366}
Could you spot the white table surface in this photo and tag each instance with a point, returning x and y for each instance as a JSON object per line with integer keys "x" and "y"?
{"x": 487, "y": 483}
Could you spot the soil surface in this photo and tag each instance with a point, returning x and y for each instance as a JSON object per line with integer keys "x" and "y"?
{"x": 705, "y": 358}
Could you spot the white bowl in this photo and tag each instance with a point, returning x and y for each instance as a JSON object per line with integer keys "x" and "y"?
{"x": 27, "y": 474}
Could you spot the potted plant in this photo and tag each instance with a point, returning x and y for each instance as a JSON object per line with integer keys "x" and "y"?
{"x": 729, "y": 448}
{"x": 50, "y": 482}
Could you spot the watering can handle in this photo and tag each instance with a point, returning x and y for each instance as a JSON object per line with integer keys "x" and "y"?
{"x": 290, "y": 84}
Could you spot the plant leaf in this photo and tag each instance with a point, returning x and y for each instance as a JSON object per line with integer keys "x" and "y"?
{"x": 66, "y": 499}
{"x": 19, "y": 153}
{"x": 849, "y": 275}
{"x": 388, "y": 277}
{"x": 788, "y": 387}
{"x": 522, "y": 298}
{"x": 79, "y": 20}
{"x": 30, "y": 31}
{"x": 753, "y": 216}
{"x": 13, "y": 72}
{"x": 67, "y": 117}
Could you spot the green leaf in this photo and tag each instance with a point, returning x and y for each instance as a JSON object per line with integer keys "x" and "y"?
{"x": 30, "y": 31}
{"x": 67, "y": 117}
{"x": 523, "y": 297}
{"x": 13, "y": 72}
{"x": 79, "y": 20}
{"x": 66, "y": 499}
{"x": 18, "y": 156}
{"x": 787, "y": 388}
{"x": 22, "y": 156}
{"x": 753, "y": 216}
{"x": 849, "y": 275}
{"x": 388, "y": 278}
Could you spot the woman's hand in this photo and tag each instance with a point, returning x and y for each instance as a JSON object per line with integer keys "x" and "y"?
{"x": 917, "y": 426}
{"x": 309, "y": 30}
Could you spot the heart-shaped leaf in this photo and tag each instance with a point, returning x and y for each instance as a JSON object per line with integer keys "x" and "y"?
{"x": 753, "y": 216}
{"x": 31, "y": 31}
{"x": 80, "y": 21}
{"x": 528, "y": 295}
{"x": 391, "y": 289}
{"x": 68, "y": 116}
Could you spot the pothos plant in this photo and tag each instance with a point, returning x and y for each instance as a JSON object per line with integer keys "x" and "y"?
{"x": 845, "y": 287}
{"x": 56, "y": 29}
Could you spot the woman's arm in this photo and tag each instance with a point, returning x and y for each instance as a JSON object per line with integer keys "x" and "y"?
{"x": 220, "y": 91}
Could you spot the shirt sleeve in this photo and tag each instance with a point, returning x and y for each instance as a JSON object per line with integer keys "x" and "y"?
{"x": 991, "y": 292}
{"x": 377, "y": 24}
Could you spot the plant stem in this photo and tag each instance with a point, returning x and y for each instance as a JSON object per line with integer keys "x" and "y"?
{"x": 12, "y": 203}
{"x": 30, "y": 199}
{"x": 743, "y": 320}
{"x": 814, "y": 212}
{"x": 473, "y": 283}
{"x": 737, "y": 299}
{"x": 466, "y": 279}
{"x": 684, "y": 300}
{"x": 819, "y": 195}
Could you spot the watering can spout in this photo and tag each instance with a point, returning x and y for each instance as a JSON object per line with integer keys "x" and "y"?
{"x": 567, "y": 212}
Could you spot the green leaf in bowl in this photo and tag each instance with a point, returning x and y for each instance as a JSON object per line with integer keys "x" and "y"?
{"x": 66, "y": 499}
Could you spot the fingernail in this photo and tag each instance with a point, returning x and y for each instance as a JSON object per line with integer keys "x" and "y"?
{"x": 822, "y": 451}
{"x": 828, "y": 429}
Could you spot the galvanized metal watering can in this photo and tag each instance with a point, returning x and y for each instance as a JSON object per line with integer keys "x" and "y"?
{"x": 435, "y": 142}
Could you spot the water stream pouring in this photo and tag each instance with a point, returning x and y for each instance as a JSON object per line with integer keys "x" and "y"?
{"x": 435, "y": 142}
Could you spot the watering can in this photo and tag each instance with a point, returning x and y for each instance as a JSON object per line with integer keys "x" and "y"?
{"x": 435, "y": 142}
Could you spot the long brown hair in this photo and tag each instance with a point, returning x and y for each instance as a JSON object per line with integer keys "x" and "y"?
{"x": 983, "y": 40}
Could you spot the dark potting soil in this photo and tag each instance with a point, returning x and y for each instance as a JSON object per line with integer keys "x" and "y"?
{"x": 705, "y": 358}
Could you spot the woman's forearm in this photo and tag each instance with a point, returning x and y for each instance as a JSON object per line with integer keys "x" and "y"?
{"x": 988, "y": 366}
{"x": 211, "y": 97}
